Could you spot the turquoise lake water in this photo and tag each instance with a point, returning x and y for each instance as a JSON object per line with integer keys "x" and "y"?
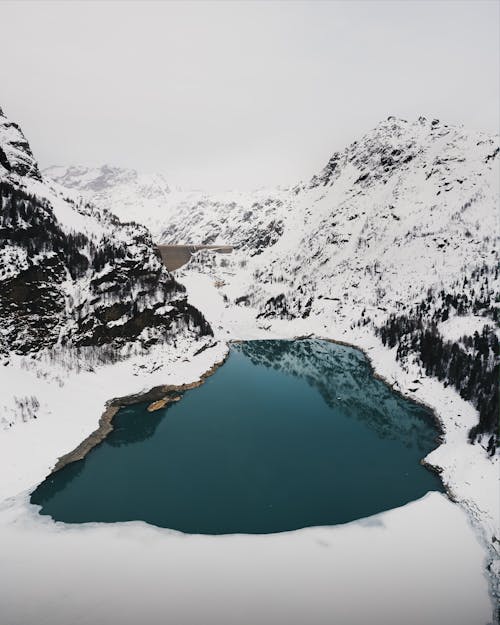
{"x": 286, "y": 434}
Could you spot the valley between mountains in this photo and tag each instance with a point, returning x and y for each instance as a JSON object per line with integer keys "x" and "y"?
{"x": 392, "y": 248}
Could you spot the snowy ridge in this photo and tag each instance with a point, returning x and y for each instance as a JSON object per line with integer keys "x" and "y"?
{"x": 370, "y": 229}
{"x": 130, "y": 195}
{"x": 150, "y": 200}
{"x": 15, "y": 153}
{"x": 401, "y": 221}
{"x": 410, "y": 205}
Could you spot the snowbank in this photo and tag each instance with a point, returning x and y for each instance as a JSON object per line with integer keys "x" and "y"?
{"x": 402, "y": 566}
{"x": 457, "y": 327}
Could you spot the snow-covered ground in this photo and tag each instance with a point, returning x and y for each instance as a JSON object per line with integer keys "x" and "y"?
{"x": 469, "y": 474}
{"x": 457, "y": 327}
{"x": 402, "y": 566}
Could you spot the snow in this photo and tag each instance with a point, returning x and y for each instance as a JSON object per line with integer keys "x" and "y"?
{"x": 17, "y": 153}
{"x": 68, "y": 214}
{"x": 419, "y": 564}
{"x": 455, "y": 328}
{"x": 371, "y": 571}
{"x": 423, "y": 218}
{"x": 59, "y": 574}
{"x": 109, "y": 187}
{"x": 404, "y": 564}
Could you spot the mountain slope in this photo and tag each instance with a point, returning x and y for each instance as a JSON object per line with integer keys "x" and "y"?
{"x": 399, "y": 232}
{"x": 148, "y": 199}
{"x": 73, "y": 275}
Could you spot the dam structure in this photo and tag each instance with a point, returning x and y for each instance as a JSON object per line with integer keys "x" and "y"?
{"x": 176, "y": 256}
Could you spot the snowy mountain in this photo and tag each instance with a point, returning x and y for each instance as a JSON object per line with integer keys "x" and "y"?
{"x": 130, "y": 195}
{"x": 391, "y": 248}
{"x": 73, "y": 275}
{"x": 399, "y": 233}
{"x": 148, "y": 199}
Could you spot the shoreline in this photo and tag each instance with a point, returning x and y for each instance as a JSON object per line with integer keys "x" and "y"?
{"x": 105, "y": 427}
{"x": 491, "y": 554}
{"x": 440, "y": 439}
{"x": 159, "y": 396}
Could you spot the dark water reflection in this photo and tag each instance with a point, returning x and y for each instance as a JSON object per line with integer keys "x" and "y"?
{"x": 344, "y": 379}
{"x": 286, "y": 434}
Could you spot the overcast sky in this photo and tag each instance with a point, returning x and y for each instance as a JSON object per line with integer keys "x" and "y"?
{"x": 239, "y": 94}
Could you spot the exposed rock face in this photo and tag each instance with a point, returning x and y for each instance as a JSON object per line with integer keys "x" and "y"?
{"x": 15, "y": 153}
{"x": 71, "y": 274}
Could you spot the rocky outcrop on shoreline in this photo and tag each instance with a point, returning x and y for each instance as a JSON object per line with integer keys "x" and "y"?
{"x": 160, "y": 396}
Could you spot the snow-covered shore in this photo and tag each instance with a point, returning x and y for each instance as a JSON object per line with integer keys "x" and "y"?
{"x": 70, "y": 404}
{"x": 402, "y": 566}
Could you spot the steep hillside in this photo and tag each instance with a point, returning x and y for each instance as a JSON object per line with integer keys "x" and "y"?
{"x": 72, "y": 275}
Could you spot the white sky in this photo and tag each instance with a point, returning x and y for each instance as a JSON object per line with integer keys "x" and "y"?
{"x": 239, "y": 94}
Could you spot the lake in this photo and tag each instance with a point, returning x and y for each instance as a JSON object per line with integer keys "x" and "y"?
{"x": 284, "y": 435}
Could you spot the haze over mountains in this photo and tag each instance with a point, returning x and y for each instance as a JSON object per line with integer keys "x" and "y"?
{"x": 249, "y": 276}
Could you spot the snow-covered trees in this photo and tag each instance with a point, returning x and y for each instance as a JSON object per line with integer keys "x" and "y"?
{"x": 470, "y": 363}
{"x": 73, "y": 275}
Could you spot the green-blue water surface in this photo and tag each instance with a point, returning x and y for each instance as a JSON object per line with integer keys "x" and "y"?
{"x": 286, "y": 434}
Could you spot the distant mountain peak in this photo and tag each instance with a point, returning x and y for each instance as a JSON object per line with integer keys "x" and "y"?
{"x": 101, "y": 178}
{"x": 16, "y": 156}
